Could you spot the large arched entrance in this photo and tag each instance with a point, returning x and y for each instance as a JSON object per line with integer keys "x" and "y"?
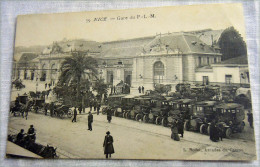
{"x": 158, "y": 72}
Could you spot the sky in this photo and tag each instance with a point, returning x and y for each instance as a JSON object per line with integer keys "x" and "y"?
{"x": 43, "y": 29}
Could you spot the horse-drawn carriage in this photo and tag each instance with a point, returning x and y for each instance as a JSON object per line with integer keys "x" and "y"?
{"x": 60, "y": 110}
{"x": 18, "y": 106}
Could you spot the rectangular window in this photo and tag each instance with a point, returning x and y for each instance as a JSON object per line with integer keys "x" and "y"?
{"x": 215, "y": 60}
{"x": 228, "y": 79}
{"x": 205, "y": 80}
{"x": 199, "y": 61}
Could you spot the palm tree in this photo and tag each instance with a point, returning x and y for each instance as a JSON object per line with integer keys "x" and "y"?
{"x": 77, "y": 68}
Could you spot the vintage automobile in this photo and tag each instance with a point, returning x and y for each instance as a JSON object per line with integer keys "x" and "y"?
{"x": 179, "y": 109}
{"x": 60, "y": 110}
{"x": 142, "y": 106}
{"x": 127, "y": 104}
{"x": 230, "y": 116}
{"x": 114, "y": 102}
{"x": 202, "y": 114}
{"x": 159, "y": 107}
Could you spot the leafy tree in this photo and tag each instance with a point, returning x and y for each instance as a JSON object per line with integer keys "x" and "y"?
{"x": 74, "y": 70}
{"x": 232, "y": 44}
{"x": 100, "y": 87}
{"x": 18, "y": 84}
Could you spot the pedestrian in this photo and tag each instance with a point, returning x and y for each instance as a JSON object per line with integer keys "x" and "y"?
{"x": 19, "y": 137}
{"x": 51, "y": 108}
{"x": 108, "y": 145}
{"x": 75, "y": 115}
{"x": 45, "y": 108}
{"x": 180, "y": 126}
{"x": 139, "y": 89}
{"x": 90, "y": 105}
{"x": 109, "y": 114}
{"x": 143, "y": 89}
{"x": 45, "y": 85}
{"x": 31, "y": 133}
{"x": 80, "y": 108}
{"x": 213, "y": 133}
{"x": 220, "y": 131}
{"x": 174, "y": 130}
{"x": 250, "y": 118}
{"x": 27, "y": 108}
{"x": 98, "y": 108}
{"x": 114, "y": 89}
{"x": 111, "y": 90}
{"x": 95, "y": 104}
{"x": 90, "y": 120}
{"x": 49, "y": 85}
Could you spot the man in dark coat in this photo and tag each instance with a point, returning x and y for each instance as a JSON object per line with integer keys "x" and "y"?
{"x": 90, "y": 105}
{"x": 98, "y": 108}
{"x": 19, "y": 137}
{"x": 31, "y": 133}
{"x": 139, "y": 89}
{"x": 180, "y": 126}
{"x": 109, "y": 114}
{"x": 90, "y": 120}
{"x": 75, "y": 115}
{"x": 95, "y": 104}
{"x": 108, "y": 145}
{"x": 250, "y": 118}
{"x": 213, "y": 132}
{"x": 143, "y": 89}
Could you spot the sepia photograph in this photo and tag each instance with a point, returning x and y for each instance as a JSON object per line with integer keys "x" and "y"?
{"x": 157, "y": 83}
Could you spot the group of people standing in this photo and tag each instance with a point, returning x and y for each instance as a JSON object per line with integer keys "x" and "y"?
{"x": 141, "y": 89}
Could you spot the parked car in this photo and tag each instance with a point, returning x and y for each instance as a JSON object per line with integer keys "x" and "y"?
{"x": 230, "y": 116}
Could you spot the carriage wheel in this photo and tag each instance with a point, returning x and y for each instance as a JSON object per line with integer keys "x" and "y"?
{"x": 158, "y": 120}
{"x": 138, "y": 117}
{"x": 69, "y": 114}
{"x": 127, "y": 115}
{"x": 228, "y": 133}
{"x": 203, "y": 128}
{"x": 208, "y": 130}
{"x": 164, "y": 122}
{"x": 61, "y": 114}
{"x": 241, "y": 127}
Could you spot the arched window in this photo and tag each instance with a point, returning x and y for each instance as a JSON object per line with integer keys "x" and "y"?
{"x": 158, "y": 71}
{"x": 53, "y": 72}
{"x": 44, "y": 73}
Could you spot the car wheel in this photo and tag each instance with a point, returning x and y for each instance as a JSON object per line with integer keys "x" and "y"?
{"x": 158, "y": 120}
{"x": 186, "y": 126}
{"x": 69, "y": 114}
{"x": 202, "y": 128}
{"x": 145, "y": 118}
{"x": 138, "y": 117}
{"x": 228, "y": 133}
{"x": 164, "y": 122}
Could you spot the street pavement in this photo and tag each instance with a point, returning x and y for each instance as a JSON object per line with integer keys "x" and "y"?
{"x": 132, "y": 139}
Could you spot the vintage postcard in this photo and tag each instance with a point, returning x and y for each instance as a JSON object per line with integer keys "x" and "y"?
{"x": 165, "y": 83}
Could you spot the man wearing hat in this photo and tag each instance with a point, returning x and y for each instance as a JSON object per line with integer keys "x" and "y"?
{"x": 31, "y": 133}
{"x": 90, "y": 120}
{"x": 108, "y": 145}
